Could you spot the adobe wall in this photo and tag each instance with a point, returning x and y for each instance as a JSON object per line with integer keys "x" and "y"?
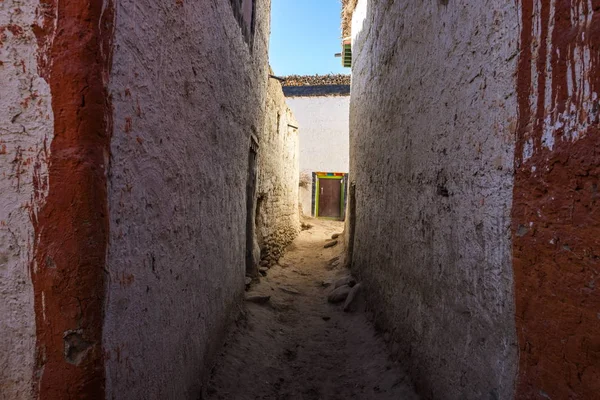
{"x": 432, "y": 123}
{"x": 188, "y": 91}
{"x": 324, "y": 138}
{"x": 26, "y": 131}
{"x": 555, "y": 217}
{"x": 487, "y": 174}
{"x": 125, "y": 131}
{"x": 56, "y": 100}
{"x": 277, "y": 217}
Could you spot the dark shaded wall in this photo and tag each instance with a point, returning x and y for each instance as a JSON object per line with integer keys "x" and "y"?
{"x": 188, "y": 90}
{"x": 432, "y": 122}
{"x": 475, "y": 153}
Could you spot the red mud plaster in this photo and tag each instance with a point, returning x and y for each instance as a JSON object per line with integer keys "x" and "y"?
{"x": 557, "y": 259}
{"x": 71, "y": 228}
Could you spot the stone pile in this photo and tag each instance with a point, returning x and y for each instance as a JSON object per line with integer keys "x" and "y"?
{"x": 306, "y": 226}
{"x": 274, "y": 246}
{"x": 333, "y": 241}
{"x": 346, "y": 290}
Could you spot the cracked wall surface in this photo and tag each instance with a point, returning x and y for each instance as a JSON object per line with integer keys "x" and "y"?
{"x": 474, "y": 140}
{"x": 26, "y": 130}
{"x": 188, "y": 92}
{"x": 124, "y": 137}
{"x": 432, "y": 122}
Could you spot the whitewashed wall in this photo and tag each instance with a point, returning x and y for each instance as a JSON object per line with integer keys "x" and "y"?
{"x": 324, "y": 137}
{"x": 26, "y": 132}
{"x": 432, "y": 122}
{"x": 187, "y": 92}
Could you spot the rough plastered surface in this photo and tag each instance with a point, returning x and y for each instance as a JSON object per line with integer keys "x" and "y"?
{"x": 26, "y": 130}
{"x": 555, "y": 213}
{"x": 187, "y": 93}
{"x": 71, "y": 226}
{"x": 432, "y": 123}
{"x": 324, "y": 138}
{"x": 277, "y": 218}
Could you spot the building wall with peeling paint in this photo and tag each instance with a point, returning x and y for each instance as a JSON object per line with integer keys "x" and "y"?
{"x": 432, "y": 121}
{"x": 188, "y": 91}
{"x": 474, "y": 140}
{"x": 277, "y": 217}
{"x": 556, "y": 217}
{"x": 124, "y": 137}
{"x": 26, "y": 129}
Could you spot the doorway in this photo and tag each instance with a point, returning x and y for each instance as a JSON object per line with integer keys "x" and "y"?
{"x": 330, "y": 195}
{"x": 251, "y": 264}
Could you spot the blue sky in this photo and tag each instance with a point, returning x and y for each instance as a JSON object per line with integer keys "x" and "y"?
{"x": 305, "y": 35}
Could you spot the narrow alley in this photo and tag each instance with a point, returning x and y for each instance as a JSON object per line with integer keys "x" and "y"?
{"x": 303, "y": 200}
{"x": 291, "y": 343}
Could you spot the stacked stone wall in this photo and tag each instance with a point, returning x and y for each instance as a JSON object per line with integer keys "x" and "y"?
{"x": 277, "y": 219}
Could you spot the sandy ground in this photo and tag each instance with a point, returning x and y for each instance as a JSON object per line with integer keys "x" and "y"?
{"x": 298, "y": 346}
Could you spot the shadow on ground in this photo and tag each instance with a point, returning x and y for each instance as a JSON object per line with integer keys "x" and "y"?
{"x": 291, "y": 343}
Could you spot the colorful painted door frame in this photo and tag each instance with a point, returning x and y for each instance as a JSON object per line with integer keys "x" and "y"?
{"x": 317, "y": 176}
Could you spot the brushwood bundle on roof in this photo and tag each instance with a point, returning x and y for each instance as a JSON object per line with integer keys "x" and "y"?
{"x": 348, "y": 7}
{"x": 316, "y": 80}
{"x": 316, "y": 85}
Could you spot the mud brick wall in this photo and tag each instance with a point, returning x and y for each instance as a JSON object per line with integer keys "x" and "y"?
{"x": 277, "y": 216}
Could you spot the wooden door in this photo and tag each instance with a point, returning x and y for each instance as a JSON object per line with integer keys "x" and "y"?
{"x": 330, "y": 197}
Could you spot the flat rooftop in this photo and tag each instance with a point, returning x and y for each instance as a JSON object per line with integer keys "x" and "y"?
{"x": 316, "y": 85}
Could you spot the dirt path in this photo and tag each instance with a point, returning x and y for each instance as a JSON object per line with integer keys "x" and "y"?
{"x": 298, "y": 346}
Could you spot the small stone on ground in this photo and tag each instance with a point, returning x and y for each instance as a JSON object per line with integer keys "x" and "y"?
{"x": 353, "y": 299}
{"x": 347, "y": 280}
{"x": 330, "y": 244}
{"x": 289, "y": 290}
{"x": 339, "y": 294}
{"x": 258, "y": 299}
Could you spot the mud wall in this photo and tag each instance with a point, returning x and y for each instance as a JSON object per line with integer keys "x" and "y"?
{"x": 432, "y": 123}
{"x": 556, "y": 217}
{"x": 124, "y": 138}
{"x": 26, "y": 132}
{"x": 277, "y": 217}
{"x": 324, "y": 138}
{"x": 188, "y": 91}
{"x": 62, "y": 114}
